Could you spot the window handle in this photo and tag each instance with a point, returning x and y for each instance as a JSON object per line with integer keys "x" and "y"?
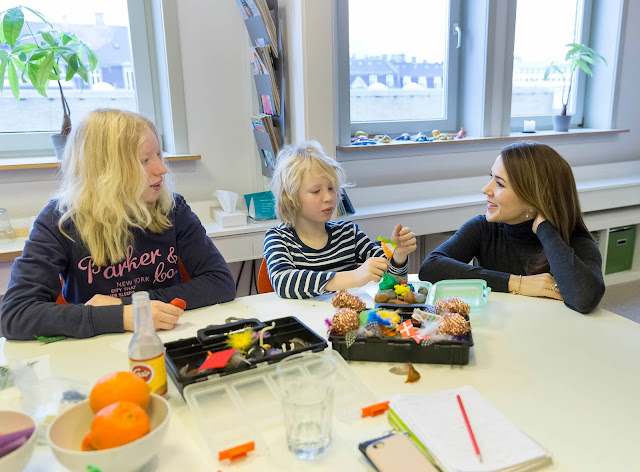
{"x": 458, "y": 31}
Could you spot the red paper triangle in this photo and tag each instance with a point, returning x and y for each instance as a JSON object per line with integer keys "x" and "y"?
{"x": 217, "y": 359}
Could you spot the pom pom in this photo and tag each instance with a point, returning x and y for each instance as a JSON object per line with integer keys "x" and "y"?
{"x": 344, "y": 299}
{"x": 452, "y": 305}
{"x": 344, "y": 320}
{"x": 454, "y": 324}
{"x": 241, "y": 341}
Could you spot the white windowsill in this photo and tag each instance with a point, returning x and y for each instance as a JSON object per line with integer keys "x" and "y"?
{"x": 43, "y": 162}
{"x": 386, "y": 150}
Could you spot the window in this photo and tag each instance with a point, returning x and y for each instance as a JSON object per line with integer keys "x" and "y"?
{"x": 107, "y": 28}
{"x": 412, "y": 45}
{"x": 390, "y": 80}
{"x": 535, "y": 49}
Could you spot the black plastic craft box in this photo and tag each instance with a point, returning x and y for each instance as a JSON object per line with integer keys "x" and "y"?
{"x": 192, "y": 352}
{"x": 453, "y": 352}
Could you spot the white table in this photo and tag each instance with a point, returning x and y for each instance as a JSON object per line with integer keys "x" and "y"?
{"x": 572, "y": 382}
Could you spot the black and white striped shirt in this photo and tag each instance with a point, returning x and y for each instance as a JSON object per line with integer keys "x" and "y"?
{"x": 298, "y": 271}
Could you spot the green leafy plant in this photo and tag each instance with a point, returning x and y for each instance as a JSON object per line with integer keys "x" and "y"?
{"x": 579, "y": 56}
{"x": 37, "y": 56}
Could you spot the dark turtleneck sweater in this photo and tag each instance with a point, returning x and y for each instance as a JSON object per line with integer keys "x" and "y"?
{"x": 502, "y": 250}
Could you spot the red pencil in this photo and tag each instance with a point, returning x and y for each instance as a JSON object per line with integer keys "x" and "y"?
{"x": 466, "y": 421}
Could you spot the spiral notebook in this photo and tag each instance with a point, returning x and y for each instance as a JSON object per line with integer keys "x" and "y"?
{"x": 435, "y": 422}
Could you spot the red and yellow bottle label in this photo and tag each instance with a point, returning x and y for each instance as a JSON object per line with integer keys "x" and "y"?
{"x": 153, "y": 371}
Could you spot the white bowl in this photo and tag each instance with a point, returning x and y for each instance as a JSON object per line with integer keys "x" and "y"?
{"x": 10, "y": 421}
{"x": 67, "y": 431}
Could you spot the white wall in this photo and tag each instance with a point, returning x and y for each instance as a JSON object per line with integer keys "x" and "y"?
{"x": 220, "y": 95}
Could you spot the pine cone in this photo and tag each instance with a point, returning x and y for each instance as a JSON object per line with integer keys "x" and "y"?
{"x": 454, "y": 324}
{"x": 344, "y": 299}
{"x": 343, "y": 321}
{"x": 452, "y": 305}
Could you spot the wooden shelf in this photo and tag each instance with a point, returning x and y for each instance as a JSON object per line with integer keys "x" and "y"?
{"x": 44, "y": 162}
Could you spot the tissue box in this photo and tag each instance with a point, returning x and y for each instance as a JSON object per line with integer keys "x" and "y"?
{"x": 225, "y": 219}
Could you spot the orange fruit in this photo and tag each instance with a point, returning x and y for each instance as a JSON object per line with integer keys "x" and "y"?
{"x": 117, "y": 424}
{"x": 119, "y": 386}
{"x": 87, "y": 445}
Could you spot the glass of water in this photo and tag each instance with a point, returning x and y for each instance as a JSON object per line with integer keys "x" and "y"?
{"x": 306, "y": 384}
{"x": 6, "y": 231}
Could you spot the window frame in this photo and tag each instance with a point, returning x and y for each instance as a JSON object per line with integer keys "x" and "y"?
{"x": 158, "y": 89}
{"x": 578, "y": 91}
{"x": 346, "y": 128}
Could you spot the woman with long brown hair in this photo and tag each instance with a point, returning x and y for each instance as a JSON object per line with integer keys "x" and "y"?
{"x": 532, "y": 239}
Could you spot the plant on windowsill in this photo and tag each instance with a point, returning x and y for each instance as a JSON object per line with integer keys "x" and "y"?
{"x": 579, "y": 56}
{"x": 37, "y": 57}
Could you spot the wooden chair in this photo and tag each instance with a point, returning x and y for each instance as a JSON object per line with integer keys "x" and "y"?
{"x": 264, "y": 284}
{"x": 183, "y": 273}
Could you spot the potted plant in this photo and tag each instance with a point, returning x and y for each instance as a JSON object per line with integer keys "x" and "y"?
{"x": 579, "y": 56}
{"x": 37, "y": 57}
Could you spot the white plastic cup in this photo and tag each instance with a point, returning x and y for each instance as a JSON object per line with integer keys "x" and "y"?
{"x": 306, "y": 384}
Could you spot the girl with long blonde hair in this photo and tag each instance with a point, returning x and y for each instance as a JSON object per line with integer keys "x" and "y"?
{"x": 114, "y": 228}
{"x": 532, "y": 239}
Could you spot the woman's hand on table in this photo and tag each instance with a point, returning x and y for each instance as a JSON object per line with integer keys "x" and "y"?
{"x": 540, "y": 285}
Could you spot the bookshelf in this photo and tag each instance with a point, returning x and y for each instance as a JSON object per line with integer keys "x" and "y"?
{"x": 267, "y": 65}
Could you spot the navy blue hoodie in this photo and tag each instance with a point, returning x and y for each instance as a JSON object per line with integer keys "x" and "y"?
{"x": 29, "y": 307}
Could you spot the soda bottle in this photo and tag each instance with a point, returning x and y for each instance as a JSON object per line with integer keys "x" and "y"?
{"x": 146, "y": 350}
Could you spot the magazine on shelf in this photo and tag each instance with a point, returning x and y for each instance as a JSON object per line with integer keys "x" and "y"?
{"x": 265, "y": 79}
{"x": 259, "y": 23}
{"x": 344, "y": 205}
{"x": 267, "y": 140}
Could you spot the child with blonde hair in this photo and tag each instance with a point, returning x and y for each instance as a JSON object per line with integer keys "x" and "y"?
{"x": 308, "y": 254}
{"x": 113, "y": 229}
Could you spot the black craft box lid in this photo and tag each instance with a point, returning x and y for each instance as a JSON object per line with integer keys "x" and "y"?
{"x": 395, "y": 349}
{"x": 192, "y": 352}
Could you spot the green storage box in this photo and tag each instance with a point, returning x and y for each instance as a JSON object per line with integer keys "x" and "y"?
{"x": 620, "y": 249}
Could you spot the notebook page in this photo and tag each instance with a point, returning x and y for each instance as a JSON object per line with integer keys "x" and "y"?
{"x": 437, "y": 422}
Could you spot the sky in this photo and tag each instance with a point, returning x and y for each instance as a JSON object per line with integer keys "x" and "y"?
{"x": 76, "y": 11}
{"x": 416, "y": 28}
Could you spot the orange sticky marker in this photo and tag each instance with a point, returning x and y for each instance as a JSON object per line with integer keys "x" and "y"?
{"x": 179, "y": 302}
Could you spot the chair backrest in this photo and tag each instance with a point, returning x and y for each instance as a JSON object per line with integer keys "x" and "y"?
{"x": 264, "y": 284}
{"x": 61, "y": 300}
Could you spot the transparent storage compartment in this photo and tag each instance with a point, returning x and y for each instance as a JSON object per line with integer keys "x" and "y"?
{"x": 472, "y": 291}
{"x": 245, "y": 407}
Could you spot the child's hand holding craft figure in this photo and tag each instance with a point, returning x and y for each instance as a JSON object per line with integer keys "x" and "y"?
{"x": 371, "y": 270}
{"x": 406, "y": 244}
